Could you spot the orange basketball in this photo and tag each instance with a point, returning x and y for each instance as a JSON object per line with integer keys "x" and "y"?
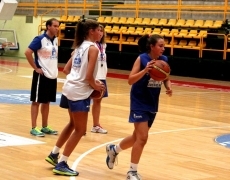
{"x": 97, "y": 94}
{"x": 160, "y": 70}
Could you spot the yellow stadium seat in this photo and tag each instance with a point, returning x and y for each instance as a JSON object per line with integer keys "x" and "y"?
{"x": 146, "y": 21}
{"x": 121, "y": 40}
{"x": 217, "y": 24}
{"x": 123, "y": 29}
{"x": 207, "y": 24}
{"x": 182, "y": 33}
{"x": 107, "y": 19}
{"x": 70, "y": 19}
{"x": 130, "y": 20}
{"x": 137, "y": 21}
{"x": 76, "y": 18}
{"x": 129, "y": 30}
{"x": 154, "y": 21}
{"x": 174, "y": 42}
{"x": 192, "y": 44}
{"x": 115, "y": 29}
{"x": 171, "y": 22}
{"x": 122, "y": 20}
{"x": 108, "y": 28}
{"x": 62, "y": 26}
{"x": 198, "y": 23}
{"x": 172, "y": 32}
{"x": 129, "y": 39}
{"x": 136, "y": 41}
{"x": 180, "y": 22}
{"x": 191, "y": 34}
{"x": 138, "y": 30}
{"x": 101, "y": 19}
{"x": 114, "y": 38}
{"x": 188, "y": 23}
{"x": 156, "y": 31}
{"x": 164, "y": 32}
{"x": 181, "y": 44}
{"x": 166, "y": 43}
{"x": 147, "y": 31}
{"x": 63, "y": 18}
{"x": 108, "y": 39}
{"x": 202, "y": 45}
{"x": 162, "y": 22}
{"x": 114, "y": 19}
{"x": 202, "y": 33}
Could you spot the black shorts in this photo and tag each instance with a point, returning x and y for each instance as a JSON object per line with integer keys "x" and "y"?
{"x": 43, "y": 89}
{"x": 64, "y": 102}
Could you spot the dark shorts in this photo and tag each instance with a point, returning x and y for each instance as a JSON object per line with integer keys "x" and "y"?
{"x": 43, "y": 89}
{"x": 75, "y": 106}
{"x": 79, "y": 106}
{"x": 106, "y": 92}
{"x": 64, "y": 102}
{"x": 142, "y": 116}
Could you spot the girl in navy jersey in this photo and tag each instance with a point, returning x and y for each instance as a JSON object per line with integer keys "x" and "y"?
{"x": 144, "y": 97}
{"x": 79, "y": 84}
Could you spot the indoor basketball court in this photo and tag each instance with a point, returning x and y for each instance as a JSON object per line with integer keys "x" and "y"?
{"x": 189, "y": 140}
{"x": 181, "y": 142}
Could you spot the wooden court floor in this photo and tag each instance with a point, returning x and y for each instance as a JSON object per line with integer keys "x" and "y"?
{"x": 181, "y": 143}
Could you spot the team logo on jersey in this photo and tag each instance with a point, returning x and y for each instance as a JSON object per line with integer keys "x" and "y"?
{"x": 20, "y": 97}
{"x": 137, "y": 116}
{"x": 154, "y": 84}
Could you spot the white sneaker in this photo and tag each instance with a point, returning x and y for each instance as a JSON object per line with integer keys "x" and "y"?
{"x": 133, "y": 175}
{"x": 111, "y": 155}
{"x": 98, "y": 129}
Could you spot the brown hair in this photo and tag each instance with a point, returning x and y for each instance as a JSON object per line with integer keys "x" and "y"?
{"x": 82, "y": 30}
{"x": 50, "y": 22}
{"x": 104, "y": 34}
{"x": 146, "y": 40}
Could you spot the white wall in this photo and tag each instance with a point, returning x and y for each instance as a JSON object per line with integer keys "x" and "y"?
{"x": 25, "y": 32}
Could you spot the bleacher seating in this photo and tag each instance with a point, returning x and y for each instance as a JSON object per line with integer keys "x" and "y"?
{"x": 177, "y": 33}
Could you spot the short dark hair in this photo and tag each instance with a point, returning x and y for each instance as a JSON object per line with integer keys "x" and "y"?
{"x": 50, "y": 22}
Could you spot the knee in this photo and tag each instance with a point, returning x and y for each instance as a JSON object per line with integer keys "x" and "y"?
{"x": 142, "y": 140}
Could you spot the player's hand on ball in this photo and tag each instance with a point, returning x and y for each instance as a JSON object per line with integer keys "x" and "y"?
{"x": 149, "y": 65}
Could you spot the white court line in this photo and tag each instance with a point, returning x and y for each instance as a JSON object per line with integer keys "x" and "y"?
{"x": 9, "y": 70}
{"x": 77, "y": 161}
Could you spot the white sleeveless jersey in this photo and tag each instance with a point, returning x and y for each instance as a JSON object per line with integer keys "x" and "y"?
{"x": 76, "y": 87}
{"x": 101, "y": 61}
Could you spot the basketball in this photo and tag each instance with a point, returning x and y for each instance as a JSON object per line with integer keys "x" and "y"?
{"x": 97, "y": 94}
{"x": 160, "y": 70}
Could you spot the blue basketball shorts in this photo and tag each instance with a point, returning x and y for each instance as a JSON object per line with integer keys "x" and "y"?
{"x": 80, "y": 105}
{"x": 75, "y": 106}
{"x": 142, "y": 116}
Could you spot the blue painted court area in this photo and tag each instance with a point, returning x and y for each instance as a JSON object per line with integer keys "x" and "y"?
{"x": 20, "y": 97}
{"x": 223, "y": 140}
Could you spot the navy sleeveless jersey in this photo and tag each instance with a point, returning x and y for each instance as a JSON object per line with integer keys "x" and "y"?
{"x": 145, "y": 92}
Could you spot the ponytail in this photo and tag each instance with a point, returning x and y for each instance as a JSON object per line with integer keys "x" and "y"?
{"x": 146, "y": 40}
{"x": 82, "y": 30}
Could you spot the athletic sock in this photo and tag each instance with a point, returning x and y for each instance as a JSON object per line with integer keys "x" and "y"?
{"x": 133, "y": 167}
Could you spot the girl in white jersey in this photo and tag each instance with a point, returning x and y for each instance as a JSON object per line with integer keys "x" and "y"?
{"x": 79, "y": 84}
{"x": 101, "y": 75}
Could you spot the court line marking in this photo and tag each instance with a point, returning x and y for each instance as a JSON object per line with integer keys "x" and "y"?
{"x": 77, "y": 161}
{"x": 9, "y": 70}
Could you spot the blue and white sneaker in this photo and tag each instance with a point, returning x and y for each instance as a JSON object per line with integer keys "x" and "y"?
{"x": 62, "y": 168}
{"x": 133, "y": 175}
{"x": 111, "y": 155}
